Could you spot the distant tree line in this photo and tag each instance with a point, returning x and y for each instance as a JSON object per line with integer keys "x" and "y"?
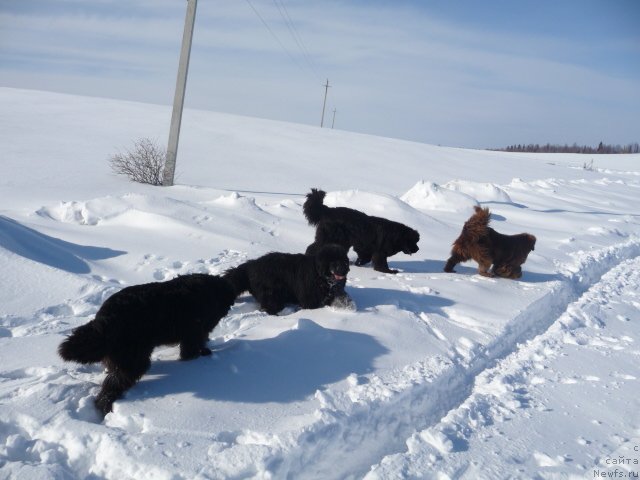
{"x": 575, "y": 148}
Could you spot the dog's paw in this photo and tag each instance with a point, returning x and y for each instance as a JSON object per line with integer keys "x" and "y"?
{"x": 344, "y": 302}
{"x": 204, "y": 351}
{"x": 104, "y": 403}
{"x": 387, "y": 270}
{"x": 189, "y": 355}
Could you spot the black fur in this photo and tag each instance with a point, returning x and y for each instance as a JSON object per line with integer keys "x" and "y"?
{"x": 372, "y": 238}
{"x": 136, "y": 319}
{"x": 277, "y": 279}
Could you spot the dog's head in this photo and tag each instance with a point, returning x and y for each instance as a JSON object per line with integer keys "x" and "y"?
{"x": 531, "y": 241}
{"x": 409, "y": 241}
{"x": 332, "y": 263}
{"x": 396, "y": 237}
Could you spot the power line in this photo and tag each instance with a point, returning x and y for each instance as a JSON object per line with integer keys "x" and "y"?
{"x": 284, "y": 13}
{"x": 288, "y": 21}
{"x": 274, "y": 35}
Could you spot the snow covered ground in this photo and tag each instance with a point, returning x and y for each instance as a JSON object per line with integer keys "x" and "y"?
{"x": 434, "y": 376}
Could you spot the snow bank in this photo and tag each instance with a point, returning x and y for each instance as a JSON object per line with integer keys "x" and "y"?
{"x": 431, "y": 196}
{"x": 482, "y": 192}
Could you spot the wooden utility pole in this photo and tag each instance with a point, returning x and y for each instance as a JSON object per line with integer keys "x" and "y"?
{"x": 178, "y": 99}
{"x": 326, "y": 89}
{"x": 333, "y": 122}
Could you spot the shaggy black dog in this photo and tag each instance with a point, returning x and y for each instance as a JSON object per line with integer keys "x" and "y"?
{"x": 136, "y": 319}
{"x": 277, "y": 279}
{"x": 480, "y": 242}
{"x": 372, "y": 238}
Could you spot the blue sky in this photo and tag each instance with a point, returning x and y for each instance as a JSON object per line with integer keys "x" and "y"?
{"x": 461, "y": 73}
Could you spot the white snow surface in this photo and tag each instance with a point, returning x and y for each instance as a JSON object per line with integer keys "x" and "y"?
{"x": 434, "y": 375}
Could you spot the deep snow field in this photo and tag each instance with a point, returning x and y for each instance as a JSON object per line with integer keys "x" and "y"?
{"x": 435, "y": 375}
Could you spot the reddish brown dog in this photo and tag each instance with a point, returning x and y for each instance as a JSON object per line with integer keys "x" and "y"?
{"x": 480, "y": 242}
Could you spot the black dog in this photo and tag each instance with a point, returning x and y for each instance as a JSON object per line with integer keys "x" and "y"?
{"x": 276, "y": 279}
{"x": 138, "y": 318}
{"x": 372, "y": 238}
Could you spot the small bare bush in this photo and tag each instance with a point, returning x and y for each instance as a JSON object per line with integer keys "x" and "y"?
{"x": 144, "y": 163}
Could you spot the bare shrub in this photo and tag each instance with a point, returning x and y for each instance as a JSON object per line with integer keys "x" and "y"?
{"x": 144, "y": 163}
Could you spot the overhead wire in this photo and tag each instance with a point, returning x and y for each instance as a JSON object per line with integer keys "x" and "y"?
{"x": 291, "y": 27}
{"x": 284, "y": 13}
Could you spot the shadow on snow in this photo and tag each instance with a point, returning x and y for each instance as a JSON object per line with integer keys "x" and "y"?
{"x": 285, "y": 368}
{"x": 414, "y": 302}
{"x": 50, "y": 251}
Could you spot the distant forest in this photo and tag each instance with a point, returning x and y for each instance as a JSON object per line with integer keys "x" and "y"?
{"x": 575, "y": 148}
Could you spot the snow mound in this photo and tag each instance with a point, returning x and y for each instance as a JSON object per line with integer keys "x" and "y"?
{"x": 550, "y": 184}
{"x": 431, "y": 196}
{"x": 235, "y": 200}
{"x": 377, "y": 204}
{"x": 483, "y": 192}
{"x": 85, "y": 213}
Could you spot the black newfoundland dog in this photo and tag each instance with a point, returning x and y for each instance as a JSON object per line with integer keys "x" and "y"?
{"x": 311, "y": 281}
{"x": 372, "y": 238}
{"x": 136, "y": 319}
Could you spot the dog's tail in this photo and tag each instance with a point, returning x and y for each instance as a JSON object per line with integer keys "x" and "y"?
{"x": 314, "y": 208}
{"x": 238, "y": 278}
{"x": 476, "y": 227}
{"x": 85, "y": 345}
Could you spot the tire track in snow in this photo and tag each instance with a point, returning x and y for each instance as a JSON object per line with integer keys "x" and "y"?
{"x": 352, "y": 434}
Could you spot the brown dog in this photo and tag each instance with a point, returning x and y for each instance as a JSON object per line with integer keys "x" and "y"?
{"x": 480, "y": 242}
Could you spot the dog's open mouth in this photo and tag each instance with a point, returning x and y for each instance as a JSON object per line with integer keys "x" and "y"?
{"x": 338, "y": 277}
